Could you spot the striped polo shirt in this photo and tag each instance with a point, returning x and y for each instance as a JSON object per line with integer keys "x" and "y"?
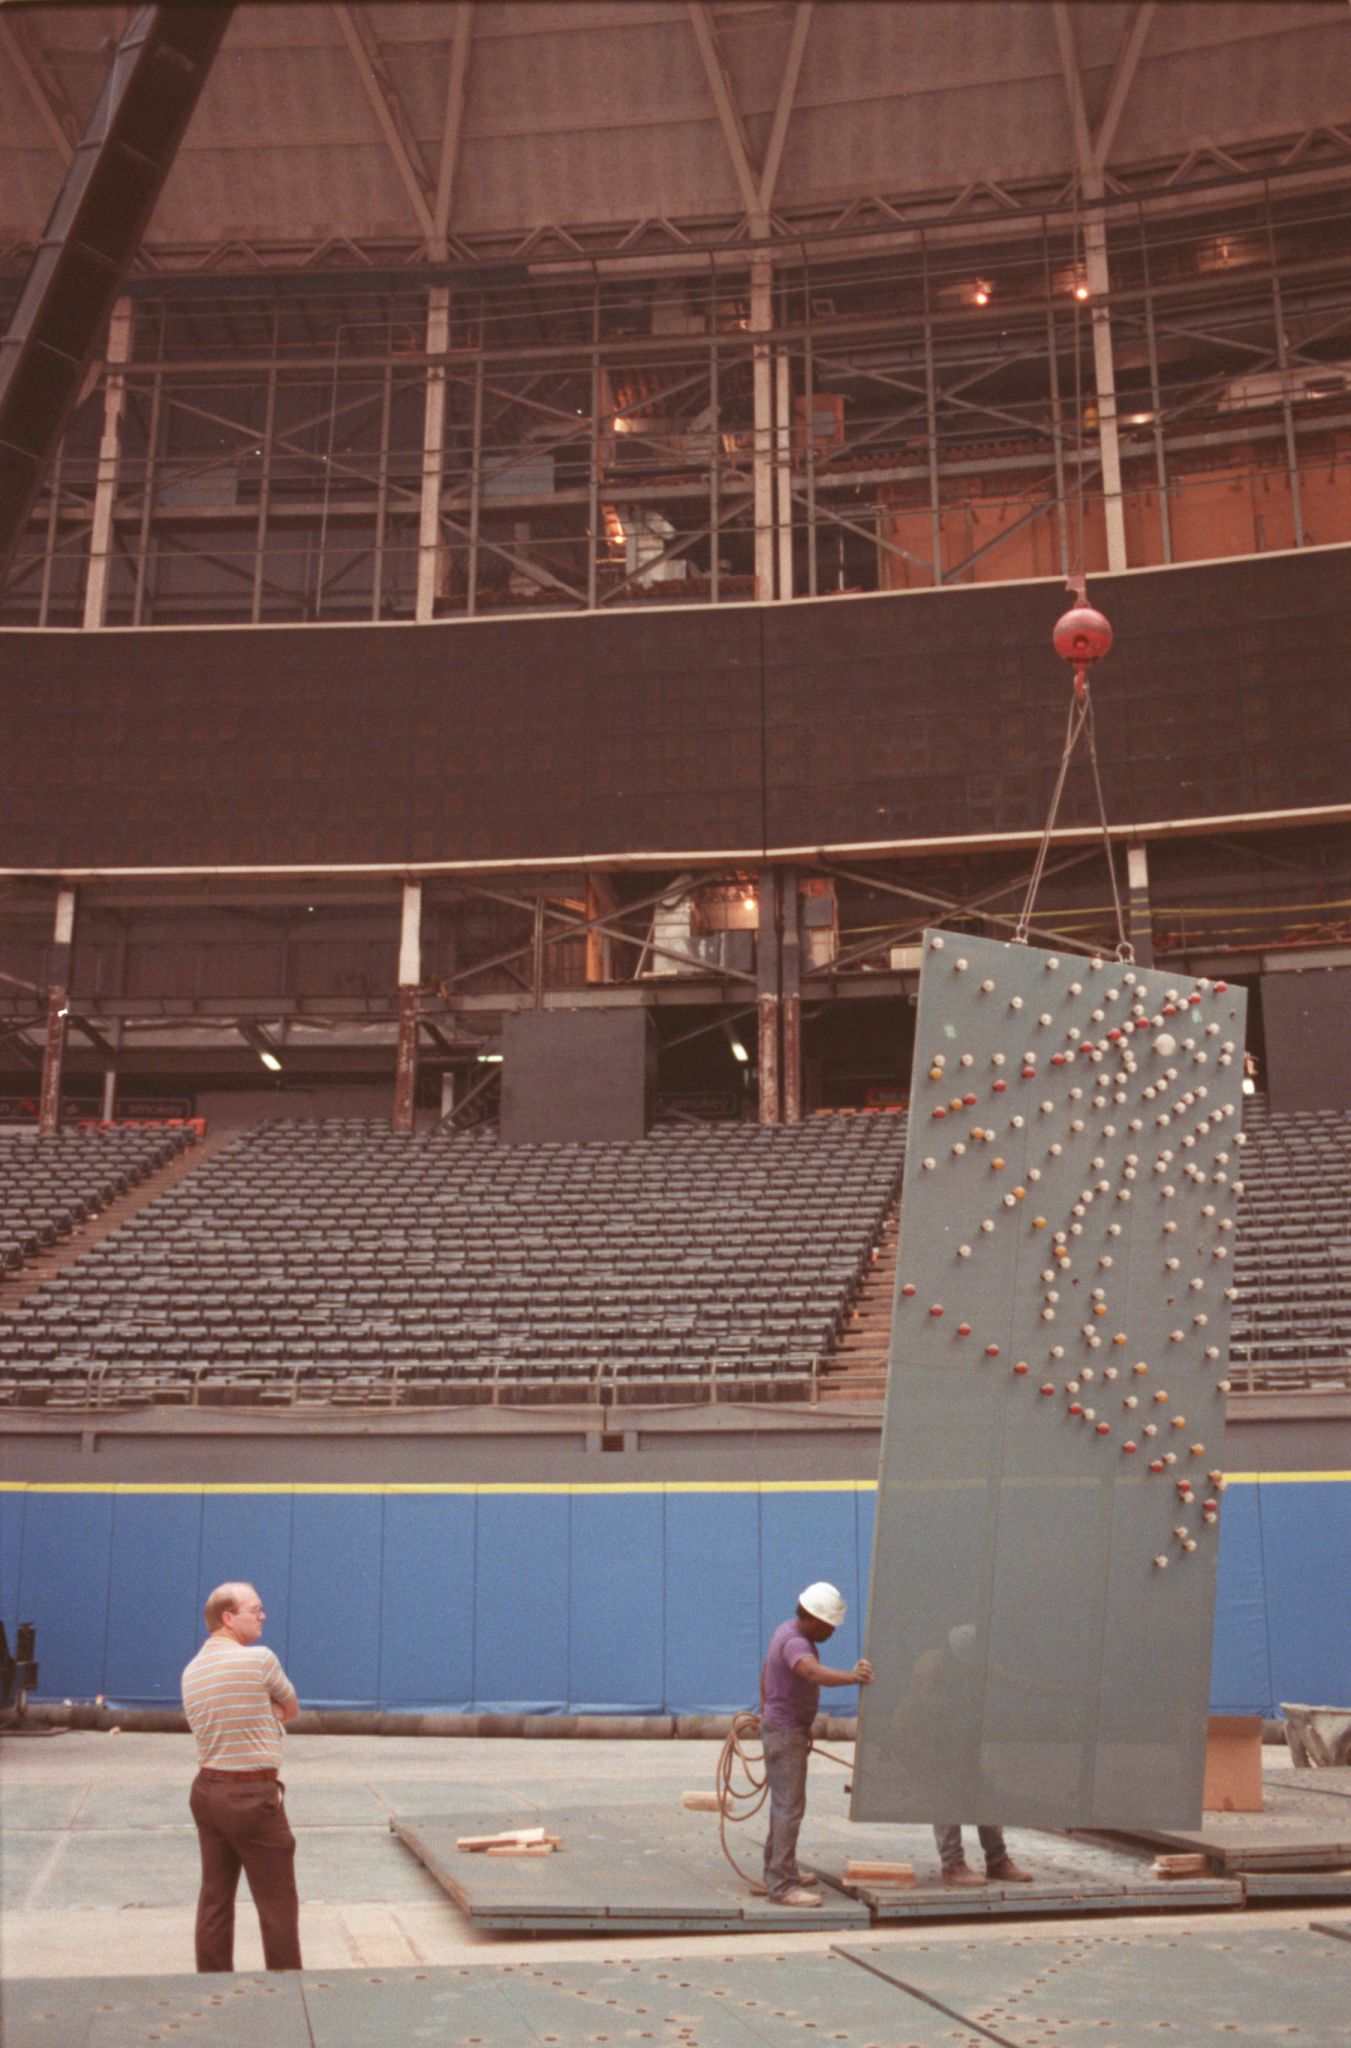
{"x": 228, "y": 1692}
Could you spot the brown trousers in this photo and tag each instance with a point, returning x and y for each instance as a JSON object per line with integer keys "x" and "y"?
{"x": 244, "y": 1827}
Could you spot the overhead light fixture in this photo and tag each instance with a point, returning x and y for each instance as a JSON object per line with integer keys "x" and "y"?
{"x": 1249, "y": 1085}
{"x": 489, "y": 1059}
{"x": 739, "y": 1052}
{"x": 265, "y": 1047}
{"x": 981, "y": 295}
{"x": 1081, "y": 290}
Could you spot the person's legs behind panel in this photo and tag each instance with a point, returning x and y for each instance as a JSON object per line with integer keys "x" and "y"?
{"x": 1000, "y": 1867}
{"x": 952, "y": 1855}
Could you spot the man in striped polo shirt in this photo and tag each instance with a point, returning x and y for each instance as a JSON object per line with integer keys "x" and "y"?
{"x": 237, "y": 1697}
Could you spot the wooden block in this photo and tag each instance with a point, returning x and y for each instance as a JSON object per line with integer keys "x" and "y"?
{"x": 1191, "y": 1865}
{"x": 1233, "y": 1782}
{"x": 701, "y": 1802}
{"x": 861, "y": 1871}
{"x": 521, "y": 1849}
{"x": 475, "y": 1844}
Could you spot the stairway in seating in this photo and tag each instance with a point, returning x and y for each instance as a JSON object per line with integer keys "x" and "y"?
{"x": 56, "y": 1258}
{"x": 857, "y": 1368}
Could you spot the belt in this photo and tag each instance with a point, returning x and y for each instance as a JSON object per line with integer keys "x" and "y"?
{"x": 234, "y": 1777}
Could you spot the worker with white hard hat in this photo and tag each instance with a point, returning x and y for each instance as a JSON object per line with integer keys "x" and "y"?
{"x": 790, "y": 1693}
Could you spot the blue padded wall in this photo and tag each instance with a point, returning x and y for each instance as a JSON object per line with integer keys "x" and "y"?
{"x": 521, "y": 1602}
{"x": 248, "y": 1536}
{"x": 711, "y": 1615}
{"x": 63, "y": 1587}
{"x": 335, "y": 1595}
{"x": 152, "y": 1594}
{"x": 568, "y": 1599}
{"x": 1306, "y": 1541}
{"x": 427, "y": 1602}
{"x": 615, "y": 1603}
{"x": 1240, "y": 1669}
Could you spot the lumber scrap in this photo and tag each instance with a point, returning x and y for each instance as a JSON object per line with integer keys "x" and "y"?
{"x": 863, "y": 1870}
{"x": 476, "y": 1844}
{"x": 1193, "y": 1864}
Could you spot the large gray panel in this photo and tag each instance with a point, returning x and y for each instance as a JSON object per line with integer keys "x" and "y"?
{"x": 1044, "y": 1559}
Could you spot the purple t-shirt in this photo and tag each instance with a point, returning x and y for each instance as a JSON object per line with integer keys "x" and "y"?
{"x": 790, "y": 1701}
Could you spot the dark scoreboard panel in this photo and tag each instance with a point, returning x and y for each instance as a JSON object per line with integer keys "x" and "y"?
{"x": 282, "y": 746}
{"x": 827, "y": 723}
{"x": 1227, "y": 690}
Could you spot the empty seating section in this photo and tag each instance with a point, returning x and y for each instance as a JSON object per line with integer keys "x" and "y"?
{"x": 333, "y": 1262}
{"x": 50, "y": 1184}
{"x": 1292, "y": 1318}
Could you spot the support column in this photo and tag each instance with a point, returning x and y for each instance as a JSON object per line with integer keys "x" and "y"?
{"x": 1139, "y": 911}
{"x": 783, "y": 469}
{"x": 762, "y": 450}
{"x": 433, "y": 444}
{"x": 601, "y": 901}
{"x": 108, "y": 1107}
{"x": 767, "y": 1004}
{"x": 105, "y": 483}
{"x": 790, "y": 982}
{"x": 1098, "y": 280}
{"x": 58, "y": 1008}
{"x": 410, "y": 977}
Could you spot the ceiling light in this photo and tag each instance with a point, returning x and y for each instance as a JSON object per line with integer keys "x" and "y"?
{"x": 981, "y": 295}
{"x": 1081, "y": 291}
{"x": 489, "y": 1059}
{"x": 739, "y": 1051}
{"x": 271, "y": 1062}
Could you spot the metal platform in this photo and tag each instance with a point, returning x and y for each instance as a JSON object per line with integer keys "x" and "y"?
{"x": 1113, "y": 1989}
{"x": 1334, "y": 1780}
{"x": 1340, "y": 1930}
{"x": 1302, "y": 1828}
{"x": 658, "y": 1869}
{"x": 1129, "y": 1990}
{"x": 762, "y": 2002}
{"x": 624, "y": 1870}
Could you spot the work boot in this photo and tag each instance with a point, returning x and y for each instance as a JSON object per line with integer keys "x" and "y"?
{"x": 798, "y": 1896}
{"x": 960, "y": 1874}
{"x": 1006, "y": 1871}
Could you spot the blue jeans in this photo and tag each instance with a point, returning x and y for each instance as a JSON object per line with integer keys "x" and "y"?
{"x": 786, "y": 1751}
{"x": 949, "y": 1840}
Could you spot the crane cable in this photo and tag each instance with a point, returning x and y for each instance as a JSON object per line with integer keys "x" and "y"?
{"x": 742, "y": 1783}
{"x": 1080, "y": 723}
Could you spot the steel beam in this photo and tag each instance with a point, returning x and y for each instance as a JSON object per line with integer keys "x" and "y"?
{"x": 92, "y": 238}
{"x": 58, "y": 1012}
{"x": 410, "y": 976}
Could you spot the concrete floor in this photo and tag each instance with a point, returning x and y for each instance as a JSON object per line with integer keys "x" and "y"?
{"x": 98, "y": 1855}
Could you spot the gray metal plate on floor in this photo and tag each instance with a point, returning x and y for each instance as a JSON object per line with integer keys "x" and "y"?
{"x": 263, "y": 2011}
{"x": 1068, "y": 1876}
{"x": 1126, "y": 1990}
{"x": 766, "y": 2001}
{"x": 718, "y": 2002}
{"x": 1298, "y": 1830}
{"x": 1340, "y": 1930}
{"x": 625, "y": 1869}
{"x": 1295, "y": 1884}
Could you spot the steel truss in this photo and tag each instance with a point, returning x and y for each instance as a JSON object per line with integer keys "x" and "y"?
{"x": 843, "y": 420}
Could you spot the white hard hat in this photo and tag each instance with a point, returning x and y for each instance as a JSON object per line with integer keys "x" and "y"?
{"x": 825, "y": 1602}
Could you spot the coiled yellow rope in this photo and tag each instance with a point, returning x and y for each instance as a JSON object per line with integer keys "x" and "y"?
{"x": 742, "y": 1782}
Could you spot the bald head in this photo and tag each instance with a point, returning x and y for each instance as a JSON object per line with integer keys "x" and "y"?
{"x": 232, "y": 1600}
